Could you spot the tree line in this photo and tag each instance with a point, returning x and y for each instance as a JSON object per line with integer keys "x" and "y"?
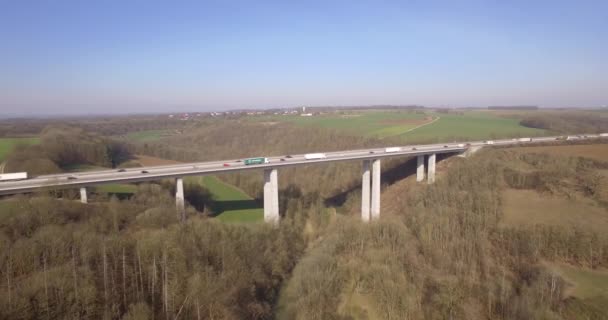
{"x": 63, "y": 146}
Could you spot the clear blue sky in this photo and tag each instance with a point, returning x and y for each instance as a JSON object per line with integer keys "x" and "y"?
{"x": 147, "y": 56}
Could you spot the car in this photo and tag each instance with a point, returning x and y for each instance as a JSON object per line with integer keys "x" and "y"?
{"x": 445, "y": 146}
{"x": 72, "y": 178}
{"x": 145, "y": 171}
{"x": 372, "y": 151}
{"x": 226, "y": 165}
{"x": 461, "y": 145}
{"x": 239, "y": 160}
{"x": 289, "y": 156}
{"x": 282, "y": 159}
{"x": 414, "y": 149}
{"x": 121, "y": 170}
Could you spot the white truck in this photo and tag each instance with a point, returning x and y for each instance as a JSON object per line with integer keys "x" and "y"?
{"x": 490, "y": 142}
{"x": 392, "y": 149}
{"x": 13, "y": 176}
{"x": 603, "y": 134}
{"x": 313, "y": 156}
{"x": 524, "y": 139}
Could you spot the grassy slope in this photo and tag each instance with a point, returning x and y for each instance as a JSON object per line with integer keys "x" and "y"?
{"x": 528, "y": 207}
{"x": 7, "y": 144}
{"x": 232, "y": 204}
{"x": 589, "y": 286}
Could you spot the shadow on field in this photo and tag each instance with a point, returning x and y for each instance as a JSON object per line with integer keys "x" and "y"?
{"x": 218, "y": 207}
{"x": 388, "y": 177}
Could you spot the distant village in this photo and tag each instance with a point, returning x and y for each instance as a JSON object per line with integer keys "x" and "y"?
{"x": 239, "y": 113}
{"x": 315, "y": 111}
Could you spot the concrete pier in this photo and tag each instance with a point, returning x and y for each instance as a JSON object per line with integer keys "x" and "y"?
{"x": 179, "y": 200}
{"x": 375, "y": 207}
{"x": 271, "y": 196}
{"x": 365, "y": 191}
{"x": 431, "y": 172}
{"x": 83, "y": 195}
{"x": 420, "y": 169}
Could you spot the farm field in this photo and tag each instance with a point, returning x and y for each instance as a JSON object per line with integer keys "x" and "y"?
{"x": 418, "y": 127}
{"x": 7, "y": 144}
{"x": 230, "y": 203}
{"x": 373, "y": 124}
{"x": 470, "y": 125}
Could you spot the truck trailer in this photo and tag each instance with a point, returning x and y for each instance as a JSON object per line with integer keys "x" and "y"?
{"x": 312, "y": 156}
{"x": 260, "y": 160}
{"x": 13, "y": 176}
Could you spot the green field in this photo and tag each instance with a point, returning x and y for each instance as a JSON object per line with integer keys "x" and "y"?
{"x": 470, "y": 125}
{"x": 7, "y": 144}
{"x": 417, "y": 127}
{"x": 376, "y": 124}
{"x": 147, "y": 135}
{"x": 231, "y": 204}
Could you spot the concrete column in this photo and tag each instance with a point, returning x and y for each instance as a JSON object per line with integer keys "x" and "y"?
{"x": 271, "y": 196}
{"x": 431, "y": 172}
{"x": 179, "y": 200}
{"x": 375, "y": 214}
{"x": 83, "y": 195}
{"x": 420, "y": 169}
{"x": 365, "y": 196}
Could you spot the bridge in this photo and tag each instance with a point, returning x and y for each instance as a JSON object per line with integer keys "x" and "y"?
{"x": 370, "y": 197}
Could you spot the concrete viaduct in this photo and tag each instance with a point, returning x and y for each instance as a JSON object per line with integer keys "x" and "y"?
{"x": 370, "y": 189}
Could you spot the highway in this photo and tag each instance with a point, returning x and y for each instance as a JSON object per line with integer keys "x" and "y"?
{"x": 89, "y": 178}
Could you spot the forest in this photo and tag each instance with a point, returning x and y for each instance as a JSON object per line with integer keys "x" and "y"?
{"x": 65, "y": 146}
{"x": 568, "y": 121}
{"x": 439, "y": 251}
